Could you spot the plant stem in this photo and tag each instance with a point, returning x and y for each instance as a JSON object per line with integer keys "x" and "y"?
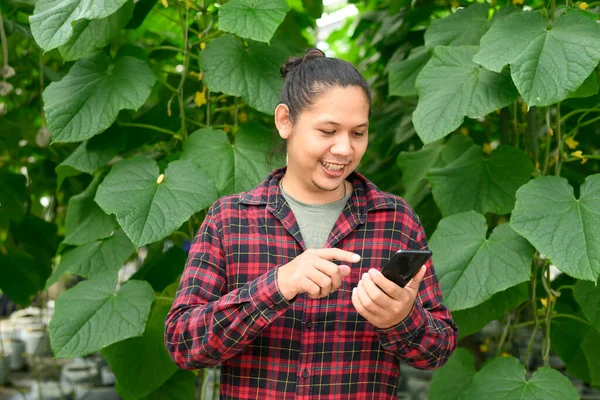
{"x": 549, "y": 308}
{"x": 152, "y": 127}
{"x": 558, "y": 139}
{"x": 4, "y": 43}
{"x": 532, "y": 139}
{"x": 535, "y": 314}
{"x": 548, "y": 142}
{"x": 580, "y": 110}
{"x": 504, "y": 334}
{"x": 570, "y": 316}
{"x": 165, "y": 298}
{"x": 186, "y": 64}
{"x": 515, "y": 124}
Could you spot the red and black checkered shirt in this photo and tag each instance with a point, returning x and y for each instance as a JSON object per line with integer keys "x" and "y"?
{"x": 229, "y": 310}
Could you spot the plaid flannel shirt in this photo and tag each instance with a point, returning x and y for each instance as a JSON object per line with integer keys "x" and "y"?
{"x": 228, "y": 309}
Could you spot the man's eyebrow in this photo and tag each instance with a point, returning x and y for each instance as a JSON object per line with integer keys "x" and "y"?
{"x": 337, "y": 123}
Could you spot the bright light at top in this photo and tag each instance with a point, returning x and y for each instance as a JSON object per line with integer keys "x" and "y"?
{"x": 337, "y": 16}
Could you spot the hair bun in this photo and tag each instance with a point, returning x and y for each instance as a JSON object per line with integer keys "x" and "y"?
{"x": 293, "y": 62}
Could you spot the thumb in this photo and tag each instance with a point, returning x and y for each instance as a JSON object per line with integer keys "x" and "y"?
{"x": 344, "y": 270}
{"x": 416, "y": 280}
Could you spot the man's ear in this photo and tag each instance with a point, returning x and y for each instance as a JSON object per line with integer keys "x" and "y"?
{"x": 282, "y": 120}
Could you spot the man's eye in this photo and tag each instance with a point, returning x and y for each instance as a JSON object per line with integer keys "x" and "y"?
{"x": 327, "y": 132}
{"x": 359, "y": 133}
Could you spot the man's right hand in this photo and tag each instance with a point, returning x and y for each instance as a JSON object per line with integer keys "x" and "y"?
{"x": 313, "y": 272}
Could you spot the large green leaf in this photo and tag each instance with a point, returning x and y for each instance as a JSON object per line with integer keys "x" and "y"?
{"x": 450, "y": 381}
{"x": 92, "y": 315}
{"x": 505, "y": 378}
{"x": 451, "y": 86}
{"x": 463, "y": 27}
{"x": 472, "y": 320}
{"x": 13, "y": 194}
{"x": 546, "y": 61}
{"x": 472, "y": 268}
{"x": 91, "y": 35}
{"x": 403, "y": 74}
{"x": 233, "y": 167}
{"x": 88, "y": 99}
{"x": 483, "y": 184}
{"x": 588, "y": 88}
{"x": 163, "y": 269}
{"x": 577, "y": 345}
{"x": 95, "y": 258}
{"x": 416, "y": 164}
{"x": 52, "y": 22}
{"x": 85, "y": 221}
{"x": 251, "y": 72}
{"x": 149, "y": 205}
{"x": 181, "y": 386}
{"x": 21, "y": 275}
{"x": 142, "y": 364}
{"x": 252, "y": 19}
{"x": 92, "y": 154}
{"x": 564, "y": 228}
{"x": 587, "y": 295}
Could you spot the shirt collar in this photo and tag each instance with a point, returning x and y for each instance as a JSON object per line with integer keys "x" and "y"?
{"x": 366, "y": 195}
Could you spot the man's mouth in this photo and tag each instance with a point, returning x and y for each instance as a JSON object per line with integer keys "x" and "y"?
{"x": 333, "y": 166}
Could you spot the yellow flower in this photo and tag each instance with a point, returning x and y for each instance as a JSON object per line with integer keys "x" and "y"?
{"x": 583, "y": 5}
{"x": 243, "y": 117}
{"x": 161, "y": 178}
{"x": 572, "y": 143}
{"x": 487, "y": 148}
{"x": 464, "y": 131}
{"x": 518, "y": 2}
{"x": 165, "y": 3}
{"x": 505, "y": 354}
{"x": 200, "y": 98}
{"x": 202, "y": 46}
{"x": 483, "y": 348}
{"x": 544, "y": 302}
{"x": 579, "y": 154}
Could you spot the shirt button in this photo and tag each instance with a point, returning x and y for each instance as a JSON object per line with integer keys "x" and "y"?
{"x": 277, "y": 307}
{"x": 305, "y": 374}
{"x": 309, "y": 324}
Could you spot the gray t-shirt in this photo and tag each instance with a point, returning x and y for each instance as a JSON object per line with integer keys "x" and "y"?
{"x": 316, "y": 220}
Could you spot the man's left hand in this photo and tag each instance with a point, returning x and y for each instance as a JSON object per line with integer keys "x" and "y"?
{"x": 381, "y": 301}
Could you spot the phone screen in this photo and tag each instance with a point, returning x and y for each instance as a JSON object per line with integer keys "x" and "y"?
{"x": 404, "y": 265}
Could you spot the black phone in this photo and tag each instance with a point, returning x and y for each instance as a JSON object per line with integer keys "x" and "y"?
{"x": 404, "y": 265}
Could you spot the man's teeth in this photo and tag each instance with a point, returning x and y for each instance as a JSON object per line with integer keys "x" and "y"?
{"x": 333, "y": 167}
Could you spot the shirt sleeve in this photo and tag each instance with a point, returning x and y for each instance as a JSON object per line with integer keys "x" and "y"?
{"x": 428, "y": 335}
{"x": 206, "y": 325}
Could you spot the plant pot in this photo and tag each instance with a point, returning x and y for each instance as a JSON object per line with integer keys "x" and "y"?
{"x": 16, "y": 348}
{"x": 51, "y": 391}
{"x": 37, "y": 340}
{"x": 80, "y": 371}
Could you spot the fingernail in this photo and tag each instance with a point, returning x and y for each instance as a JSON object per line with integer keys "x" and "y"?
{"x": 365, "y": 275}
{"x": 356, "y": 258}
{"x": 373, "y": 272}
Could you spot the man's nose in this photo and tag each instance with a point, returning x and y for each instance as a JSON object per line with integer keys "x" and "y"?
{"x": 342, "y": 145}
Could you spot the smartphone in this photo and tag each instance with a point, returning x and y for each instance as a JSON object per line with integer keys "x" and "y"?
{"x": 404, "y": 265}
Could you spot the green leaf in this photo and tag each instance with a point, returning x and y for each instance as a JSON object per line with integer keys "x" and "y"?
{"x": 233, "y": 167}
{"x": 251, "y": 72}
{"x": 21, "y": 275}
{"x": 162, "y": 270}
{"x": 85, "y": 221}
{"x": 472, "y": 268}
{"x": 403, "y": 74}
{"x": 505, "y": 378}
{"x": 53, "y": 20}
{"x": 252, "y": 19}
{"x": 451, "y": 380}
{"x": 451, "y": 86}
{"x": 92, "y": 154}
{"x": 588, "y": 88}
{"x": 140, "y": 12}
{"x": 181, "y": 386}
{"x": 88, "y": 99}
{"x": 546, "y": 62}
{"x": 416, "y": 164}
{"x": 564, "y": 228}
{"x": 464, "y": 27}
{"x": 577, "y": 345}
{"x": 587, "y": 295}
{"x": 474, "y": 319}
{"x": 92, "y": 35}
{"x": 314, "y": 8}
{"x": 142, "y": 364}
{"x": 92, "y": 315}
{"x": 13, "y": 194}
{"x": 37, "y": 237}
{"x": 150, "y": 207}
{"x": 95, "y": 258}
{"x": 483, "y": 184}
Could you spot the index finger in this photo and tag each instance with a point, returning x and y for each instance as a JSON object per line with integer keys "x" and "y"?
{"x": 337, "y": 254}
